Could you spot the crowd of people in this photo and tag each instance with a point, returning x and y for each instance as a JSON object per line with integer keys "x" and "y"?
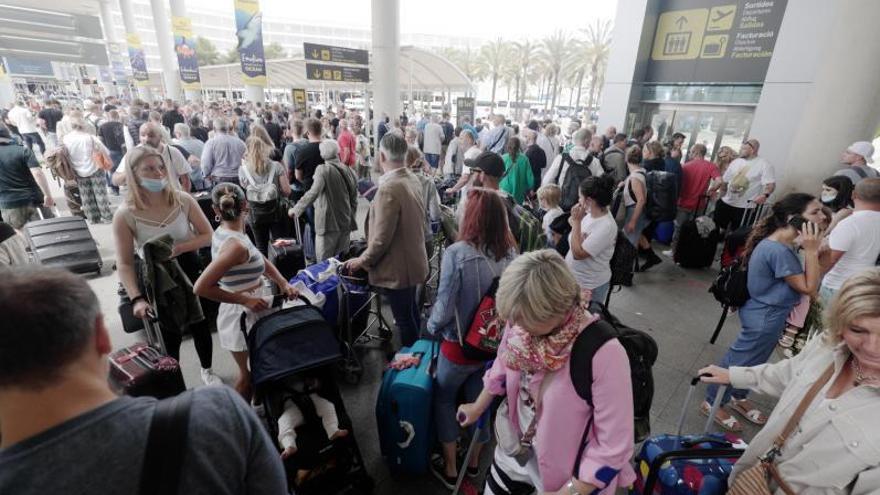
{"x": 538, "y": 218}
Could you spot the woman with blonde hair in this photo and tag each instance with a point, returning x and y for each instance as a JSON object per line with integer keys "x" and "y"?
{"x": 724, "y": 157}
{"x": 265, "y": 183}
{"x": 153, "y": 208}
{"x": 91, "y": 179}
{"x": 261, "y": 132}
{"x": 822, "y": 437}
{"x": 543, "y": 427}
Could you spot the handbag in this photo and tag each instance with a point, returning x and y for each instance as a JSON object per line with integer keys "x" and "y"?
{"x": 756, "y": 479}
{"x": 101, "y": 160}
{"x": 517, "y": 447}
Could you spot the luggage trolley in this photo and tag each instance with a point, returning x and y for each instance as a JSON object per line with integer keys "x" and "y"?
{"x": 358, "y": 316}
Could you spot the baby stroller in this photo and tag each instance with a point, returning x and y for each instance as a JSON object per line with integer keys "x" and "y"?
{"x": 293, "y": 346}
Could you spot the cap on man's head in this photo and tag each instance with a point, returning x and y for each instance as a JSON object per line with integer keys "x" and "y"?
{"x": 490, "y": 164}
{"x": 863, "y": 149}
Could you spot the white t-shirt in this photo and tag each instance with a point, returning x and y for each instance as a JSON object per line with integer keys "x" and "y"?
{"x": 178, "y": 166}
{"x": 599, "y": 237}
{"x": 22, "y": 118}
{"x": 434, "y": 136}
{"x": 745, "y": 180}
{"x": 81, "y": 146}
{"x": 859, "y": 236}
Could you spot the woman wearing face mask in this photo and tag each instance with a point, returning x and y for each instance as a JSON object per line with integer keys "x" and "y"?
{"x": 545, "y": 310}
{"x": 837, "y": 195}
{"x": 836, "y": 450}
{"x": 776, "y": 281}
{"x": 593, "y": 233}
{"x": 154, "y": 208}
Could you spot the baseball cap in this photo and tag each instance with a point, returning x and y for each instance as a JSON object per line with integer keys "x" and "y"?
{"x": 863, "y": 149}
{"x": 489, "y": 163}
{"x": 470, "y": 155}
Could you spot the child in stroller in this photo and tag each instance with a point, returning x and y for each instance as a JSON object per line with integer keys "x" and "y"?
{"x": 305, "y": 395}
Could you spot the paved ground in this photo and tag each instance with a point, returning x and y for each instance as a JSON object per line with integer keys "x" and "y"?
{"x": 670, "y": 303}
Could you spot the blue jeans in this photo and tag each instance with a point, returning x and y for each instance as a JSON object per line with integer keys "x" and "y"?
{"x": 600, "y": 293}
{"x": 762, "y": 326}
{"x": 450, "y": 378}
{"x": 405, "y": 309}
{"x": 116, "y": 158}
{"x": 432, "y": 159}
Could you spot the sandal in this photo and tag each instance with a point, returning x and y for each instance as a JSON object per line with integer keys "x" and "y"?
{"x": 730, "y": 424}
{"x": 754, "y": 415}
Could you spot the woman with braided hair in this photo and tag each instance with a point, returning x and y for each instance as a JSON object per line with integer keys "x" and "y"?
{"x": 234, "y": 278}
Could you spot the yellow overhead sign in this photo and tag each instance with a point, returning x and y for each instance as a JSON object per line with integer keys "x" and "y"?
{"x": 680, "y": 34}
{"x": 721, "y": 18}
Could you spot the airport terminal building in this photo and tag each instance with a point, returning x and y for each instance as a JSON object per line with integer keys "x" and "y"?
{"x": 802, "y": 76}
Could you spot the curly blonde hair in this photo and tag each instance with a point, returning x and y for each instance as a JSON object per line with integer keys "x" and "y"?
{"x": 859, "y": 297}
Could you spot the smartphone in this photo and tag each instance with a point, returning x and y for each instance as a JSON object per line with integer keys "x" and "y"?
{"x": 797, "y": 222}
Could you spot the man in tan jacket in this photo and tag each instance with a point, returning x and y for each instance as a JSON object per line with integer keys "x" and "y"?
{"x": 395, "y": 257}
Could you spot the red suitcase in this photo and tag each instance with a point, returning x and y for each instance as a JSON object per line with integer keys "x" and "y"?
{"x": 144, "y": 369}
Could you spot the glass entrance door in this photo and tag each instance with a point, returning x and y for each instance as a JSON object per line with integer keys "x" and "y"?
{"x": 712, "y": 126}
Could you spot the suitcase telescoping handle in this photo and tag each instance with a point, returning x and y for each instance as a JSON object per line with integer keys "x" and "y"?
{"x": 297, "y": 231}
{"x": 687, "y": 402}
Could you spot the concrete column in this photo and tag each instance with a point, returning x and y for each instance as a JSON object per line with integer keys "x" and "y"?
{"x": 7, "y": 89}
{"x": 386, "y": 58}
{"x": 109, "y": 37}
{"x": 821, "y": 92}
{"x": 130, "y": 27}
{"x": 162, "y": 25}
{"x": 626, "y": 40}
{"x": 178, "y": 9}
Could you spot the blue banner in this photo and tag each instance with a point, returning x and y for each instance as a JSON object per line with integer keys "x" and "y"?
{"x": 249, "y": 31}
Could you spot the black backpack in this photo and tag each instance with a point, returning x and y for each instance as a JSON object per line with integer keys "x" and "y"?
{"x": 662, "y": 195}
{"x": 623, "y": 261}
{"x": 578, "y": 170}
{"x": 641, "y": 349}
{"x": 607, "y": 152}
{"x": 731, "y": 287}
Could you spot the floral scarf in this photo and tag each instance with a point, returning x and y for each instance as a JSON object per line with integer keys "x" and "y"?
{"x": 526, "y": 352}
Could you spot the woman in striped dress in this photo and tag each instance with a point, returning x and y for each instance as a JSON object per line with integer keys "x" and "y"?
{"x": 234, "y": 278}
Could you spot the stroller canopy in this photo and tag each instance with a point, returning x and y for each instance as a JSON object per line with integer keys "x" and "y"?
{"x": 290, "y": 341}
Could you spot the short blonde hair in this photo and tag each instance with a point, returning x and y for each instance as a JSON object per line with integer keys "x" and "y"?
{"x": 859, "y": 297}
{"x": 536, "y": 287}
{"x": 134, "y": 159}
{"x": 550, "y": 194}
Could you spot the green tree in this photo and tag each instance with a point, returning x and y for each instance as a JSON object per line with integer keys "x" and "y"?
{"x": 556, "y": 49}
{"x": 274, "y": 50}
{"x": 523, "y": 60}
{"x": 207, "y": 52}
{"x": 599, "y": 39}
{"x": 493, "y": 57}
{"x": 466, "y": 60}
{"x": 231, "y": 56}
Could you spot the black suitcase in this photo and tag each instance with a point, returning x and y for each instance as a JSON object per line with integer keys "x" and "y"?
{"x": 289, "y": 260}
{"x": 694, "y": 250}
{"x": 207, "y": 206}
{"x": 144, "y": 369}
{"x": 63, "y": 242}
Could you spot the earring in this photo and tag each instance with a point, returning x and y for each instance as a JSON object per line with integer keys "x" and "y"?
{"x": 217, "y": 218}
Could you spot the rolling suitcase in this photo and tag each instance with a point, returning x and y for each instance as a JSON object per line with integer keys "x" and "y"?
{"x": 694, "y": 250}
{"x": 63, "y": 242}
{"x": 688, "y": 464}
{"x": 403, "y": 411}
{"x": 289, "y": 259}
{"x": 144, "y": 369}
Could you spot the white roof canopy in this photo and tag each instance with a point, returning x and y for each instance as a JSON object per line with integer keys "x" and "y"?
{"x": 430, "y": 72}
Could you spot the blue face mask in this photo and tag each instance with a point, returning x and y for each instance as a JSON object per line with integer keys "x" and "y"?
{"x": 153, "y": 185}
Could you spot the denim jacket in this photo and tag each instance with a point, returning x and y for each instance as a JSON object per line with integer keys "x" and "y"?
{"x": 465, "y": 276}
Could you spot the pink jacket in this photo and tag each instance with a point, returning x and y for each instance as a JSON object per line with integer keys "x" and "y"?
{"x": 564, "y": 416}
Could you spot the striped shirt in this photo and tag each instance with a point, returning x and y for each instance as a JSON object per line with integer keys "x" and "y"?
{"x": 242, "y": 276}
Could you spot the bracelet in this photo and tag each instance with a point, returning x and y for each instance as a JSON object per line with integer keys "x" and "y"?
{"x": 137, "y": 298}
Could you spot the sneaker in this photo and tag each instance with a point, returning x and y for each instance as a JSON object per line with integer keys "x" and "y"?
{"x": 473, "y": 472}
{"x": 210, "y": 379}
{"x": 438, "y": 469}
{"x": 668, "y": 253}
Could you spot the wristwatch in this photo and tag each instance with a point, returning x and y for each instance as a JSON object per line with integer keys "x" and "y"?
{"x": 571, "y": 488}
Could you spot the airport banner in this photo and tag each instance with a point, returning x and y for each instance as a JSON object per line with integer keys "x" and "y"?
{"x": 714, "y": 41}
{"x": 137, "y": 59}
{"x": 299, "y": 101}
{"x": 249, "y": 31}
{"x": 464, "y": 107}
{"x": 185, "y": 48}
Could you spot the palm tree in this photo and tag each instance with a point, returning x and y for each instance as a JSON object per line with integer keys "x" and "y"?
{"x": 466, "y": 60}
{"x": 556, "y": 49}
{"x": 522, "y": 56}
{"x": 599, "y": 39}
{"x": 493, "y": 57}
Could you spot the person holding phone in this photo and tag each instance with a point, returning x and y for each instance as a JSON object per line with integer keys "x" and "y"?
{"x": 776, "y": 281}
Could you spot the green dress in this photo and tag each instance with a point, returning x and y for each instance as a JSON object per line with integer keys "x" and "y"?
{"x": 518, "y": 178}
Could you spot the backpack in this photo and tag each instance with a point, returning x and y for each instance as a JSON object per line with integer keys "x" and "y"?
{"x": 731, "y": 287}
{"x": 604, "y": 156}
{"x": 243, "y": 128}
{"x": 662, "y": 195}
{"x": 264, "y": 198}
{"x": 531, "y": 232}
{"x": 578, "y": 170}
{"x": 483, "y": 336}
{"x": 623, "y": 261}
{"x": 641, "y": 350}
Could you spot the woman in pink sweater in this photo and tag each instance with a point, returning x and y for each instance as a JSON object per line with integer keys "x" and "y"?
{"x": 541, "y": 423}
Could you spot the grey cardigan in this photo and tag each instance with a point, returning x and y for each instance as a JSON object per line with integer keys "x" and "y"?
{"x": 334, "y": 193}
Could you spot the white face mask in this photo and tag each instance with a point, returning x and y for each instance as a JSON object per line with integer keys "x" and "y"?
{"x": 828, "y": 197}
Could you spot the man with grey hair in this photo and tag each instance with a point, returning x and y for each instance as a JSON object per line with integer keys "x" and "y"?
{"x": 580, "y": 157}
{"x": 175, "y": 164}
{"x": 56, "y": 405}
{"x": 222, "y": 154}
{"x": 334, "y": 194}
{"x": 395, "y": 257}
{"x": 433, "y": 144}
